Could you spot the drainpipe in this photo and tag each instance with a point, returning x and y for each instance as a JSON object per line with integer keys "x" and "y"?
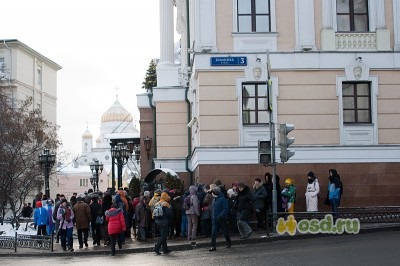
{"x": 187, "y": 100}
{"x": 11, "y": 69}
{"x": 154, "y": 142}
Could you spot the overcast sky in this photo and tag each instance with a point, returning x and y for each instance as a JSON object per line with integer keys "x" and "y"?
{"x": 100, "y": 45}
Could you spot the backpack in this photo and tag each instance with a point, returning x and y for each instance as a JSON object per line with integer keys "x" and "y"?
{"x": 187, "y": 203}
{"x": 158, "y": 210}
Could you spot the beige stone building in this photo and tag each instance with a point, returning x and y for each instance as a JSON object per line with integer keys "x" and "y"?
{"x": 26, "y": 73}
{"x": 334, "y": 70}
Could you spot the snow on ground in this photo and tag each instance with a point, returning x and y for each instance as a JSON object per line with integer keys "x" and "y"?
{"x": 7, "y": 230}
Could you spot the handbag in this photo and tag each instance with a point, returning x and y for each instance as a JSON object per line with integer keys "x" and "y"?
{"x": 99, "y": 219}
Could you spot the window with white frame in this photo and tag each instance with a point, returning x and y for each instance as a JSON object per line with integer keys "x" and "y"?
{"x": 352, "y": 15}
{"x": 253, "y": 15}
{"x": 356, "y": 102}
{"x": 254, "y": 103}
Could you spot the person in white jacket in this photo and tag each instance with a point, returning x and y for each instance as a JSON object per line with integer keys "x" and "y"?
{"x": 312, "y": 192}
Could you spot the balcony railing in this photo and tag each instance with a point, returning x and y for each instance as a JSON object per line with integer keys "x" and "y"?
{"x": 352, "y": 41}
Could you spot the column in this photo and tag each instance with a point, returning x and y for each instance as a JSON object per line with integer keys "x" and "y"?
{"x": 166, "y": 32}
{"x": 328, "y": 25}
{"x": 382, "y": 33}
{"x": 396, "y": 24}
{"x": 305, "y": 30}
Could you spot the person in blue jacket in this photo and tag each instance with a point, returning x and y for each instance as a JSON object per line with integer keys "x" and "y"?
{"x": 40, "y": 217}
{"x": 219, "y": 213}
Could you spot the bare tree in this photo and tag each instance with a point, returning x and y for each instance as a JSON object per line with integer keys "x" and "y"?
{"x": 23, "y": 134}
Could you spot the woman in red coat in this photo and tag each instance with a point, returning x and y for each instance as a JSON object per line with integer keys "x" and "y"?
{"x": 116, "y": 225}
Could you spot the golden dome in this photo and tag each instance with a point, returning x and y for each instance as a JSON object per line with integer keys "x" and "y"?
{"x": 87, "y": 135}
{"x": 116, "y": 113}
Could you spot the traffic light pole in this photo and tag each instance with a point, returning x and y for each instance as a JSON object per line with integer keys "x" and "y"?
{"x": 273, "y": 165}
{"x": 273, "y": 140}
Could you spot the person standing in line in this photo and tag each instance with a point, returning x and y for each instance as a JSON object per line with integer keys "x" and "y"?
{"x": 260, "y": 198}
{"x": 244, "y": 210}
{"x": 231, "y": 218}
{"x": 116, "y": 225}
{"x": 40, "y": 217}
{"x": 55, "y": 211}
{"x": 206, "y": 225}
{"x": 50, "y": 210}
{"x": 193, "y": 214}
{"x": 65, "y": 215}
{"x": 142, "y": 218}
{"x": 334, "y": 192}
{"x": 82, "y": 219}
{"x": 289, "y": 193}
{"x": 162, "y": 224}
{"x": 219, "y": 213}
{"x": 95, "y": 211}
{"x": 312, "y": 192}
{"x": 105, "y": 206}
{"x": 73, "y": 199}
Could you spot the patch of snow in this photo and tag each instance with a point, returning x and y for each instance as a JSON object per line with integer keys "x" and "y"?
{"x": 7, "y": 230}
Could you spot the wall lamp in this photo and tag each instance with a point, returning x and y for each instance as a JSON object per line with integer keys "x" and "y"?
{"x": 147, "y": 146}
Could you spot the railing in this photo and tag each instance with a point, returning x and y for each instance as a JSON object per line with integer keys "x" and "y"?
{"x": 26, "y": 241}
{"x": 376, "y": 214}
{"x": 353, "y": 41}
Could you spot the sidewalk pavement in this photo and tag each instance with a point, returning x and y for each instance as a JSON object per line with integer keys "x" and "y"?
{"x": 175, "y": 244}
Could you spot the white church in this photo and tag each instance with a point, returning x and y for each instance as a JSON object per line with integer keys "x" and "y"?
{"x": 116, "y": 124}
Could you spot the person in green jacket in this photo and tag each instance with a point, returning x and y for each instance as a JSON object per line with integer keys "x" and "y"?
{"x": 289, "y": 195}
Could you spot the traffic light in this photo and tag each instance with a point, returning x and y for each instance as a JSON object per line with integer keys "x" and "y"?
{"x": 285, "y": 141}
{"x": 264, "y": 152}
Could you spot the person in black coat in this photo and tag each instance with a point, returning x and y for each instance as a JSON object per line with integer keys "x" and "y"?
{"x": 105, "y": 206}
{"x": 95, "y": 210}
{"x": 244, "y": 210}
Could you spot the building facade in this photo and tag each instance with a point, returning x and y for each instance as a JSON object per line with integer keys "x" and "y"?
{"x": 26, "y": 73}
{"x": 334, "y": 73}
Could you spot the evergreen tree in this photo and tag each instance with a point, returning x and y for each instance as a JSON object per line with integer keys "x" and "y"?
{"x": 150, "y": 79}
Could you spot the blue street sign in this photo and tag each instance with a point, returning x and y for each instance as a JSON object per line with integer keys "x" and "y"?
{"x": 229, "y": 61}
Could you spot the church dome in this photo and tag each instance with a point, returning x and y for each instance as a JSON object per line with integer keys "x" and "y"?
{"x": 116, "y": 113}
{"x": 87, "y": 135}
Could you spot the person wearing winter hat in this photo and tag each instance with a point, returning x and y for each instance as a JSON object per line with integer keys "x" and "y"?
{"x": 219, "y": 213}
{"x": 244, "y": 207}
{"x": 40, "y": 217}
{"x": 289, "y": 194}
{"x": 260, "y": 197}
{"x": 312, "y": 191}
{"x": 162, "y": 224}
{"x": 116, "y": 225}
{"x": 66, "y": 216}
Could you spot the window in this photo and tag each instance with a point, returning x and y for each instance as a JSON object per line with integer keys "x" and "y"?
{"x": 356, "y": 103}
{"x": 255, "y": 103}
{"x": 83, "y": 182}
{"x": 352, "y": 15}
{"x": 253, "y": 16}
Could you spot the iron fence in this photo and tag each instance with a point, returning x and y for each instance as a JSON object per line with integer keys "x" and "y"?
{"x": 26, "y": 241}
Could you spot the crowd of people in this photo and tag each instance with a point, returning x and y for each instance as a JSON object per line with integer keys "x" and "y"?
{"x": 203, "y": 210}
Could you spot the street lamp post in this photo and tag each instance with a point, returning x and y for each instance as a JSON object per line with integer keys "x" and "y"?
{"x": 120, "y": 153}
{"x": 97, "y": 168}
{"x": 47, "y": 160}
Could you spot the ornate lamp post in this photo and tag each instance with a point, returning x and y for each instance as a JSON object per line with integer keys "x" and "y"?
{"x": 47, "y": 160}
{"x": 97, "y": 169}
{"x": 134, "y": 149}
{"x": 121, "y": 154}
